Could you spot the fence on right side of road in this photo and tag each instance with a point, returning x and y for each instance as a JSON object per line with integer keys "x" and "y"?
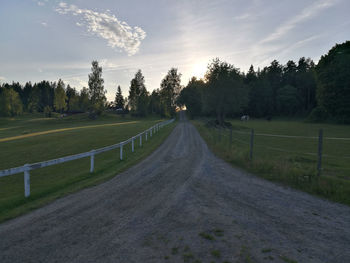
{"x": 309, "y": 146}
{"x": 28, "y": 167}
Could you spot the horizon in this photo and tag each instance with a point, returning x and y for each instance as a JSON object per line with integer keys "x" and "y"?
{"x": 158, "y": 35}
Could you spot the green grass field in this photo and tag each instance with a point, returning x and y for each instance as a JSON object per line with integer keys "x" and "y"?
{"x": 55, "y": 181}
{"x": 291, "y": 161}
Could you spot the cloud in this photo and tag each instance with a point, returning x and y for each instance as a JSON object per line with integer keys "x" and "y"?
{"x": 42, "y": 3}
{"x": 306, "y": 14}
{"x": 118, "y": 34}
{"x": 44, "y": 24}
{"x": 2, "y": 78}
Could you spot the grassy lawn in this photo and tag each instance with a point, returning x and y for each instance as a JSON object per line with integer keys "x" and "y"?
{"x": 52, "y": 182}
{"x": 291, "y": 161}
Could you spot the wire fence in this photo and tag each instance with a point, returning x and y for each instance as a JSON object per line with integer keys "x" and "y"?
{"x": 327, "y": 155}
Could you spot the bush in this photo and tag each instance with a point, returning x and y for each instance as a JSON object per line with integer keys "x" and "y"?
{"x": 318, "y": 114}
{"x": 48, "y": 111}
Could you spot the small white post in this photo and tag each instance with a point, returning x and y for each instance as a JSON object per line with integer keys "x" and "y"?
{"x": 150, "y": 133}
{"x": 92, "y": 161}
{"x": 146, "y": 135}
{"x": 121, "y": 152}
{"x": 132, "y": 144}
{"x": 26, "y": 181}
{"x": 140, "y": 140}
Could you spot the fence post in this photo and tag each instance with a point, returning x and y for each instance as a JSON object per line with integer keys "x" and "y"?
{"x": 150, "y": 134}
{"x": 251, "y": 145}
{"x": 320, "y": 144}
{"x": 26, "y": 181}
{"x": 92, "y": 161}
{"x": 121, "y": 152}
{"x": 132, "y": 144}
{"x": 230, "y": 137}
{"x": 140, "y": 139}
{"x": 146, "y": 135}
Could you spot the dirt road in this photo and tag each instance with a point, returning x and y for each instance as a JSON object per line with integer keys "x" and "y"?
{"x": 181, "y": 204}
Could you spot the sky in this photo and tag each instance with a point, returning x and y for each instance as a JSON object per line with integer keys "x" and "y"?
{"x": 48, "y": 40}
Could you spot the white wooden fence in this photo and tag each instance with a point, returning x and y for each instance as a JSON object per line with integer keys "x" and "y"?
{"x": 28, "y": 167}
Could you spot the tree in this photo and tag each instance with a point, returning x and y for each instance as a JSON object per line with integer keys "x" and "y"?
{"x": 138, "y": 95}
{"x": 287, "y": 101}
{"x": 191, "y": 97}
{"x": 84, "y": 102}
{"x": 227, "y": 92}
{"x": 10, "y": 103}
{"x": 72, "y": 99}
{"x": 60, "y": 97}
{"x": 333, "y": 82}
{"x": 154, "y": 102}
{"x": 169, "y": 90}
{"x": 34, "y": 98}
{"x": 96, "y": 89}
{"x": 119, "y": 99}
{"x": 306, "y": 84}
{"x": 274, "y": 77}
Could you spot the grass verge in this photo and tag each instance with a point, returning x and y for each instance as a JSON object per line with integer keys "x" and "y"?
{"x": 50, "y": 183}
{"x": 289, "y": 167}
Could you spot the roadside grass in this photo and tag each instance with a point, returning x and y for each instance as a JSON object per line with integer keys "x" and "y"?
{"x": 290, "y": 161}
{"x": 50, "y": 183}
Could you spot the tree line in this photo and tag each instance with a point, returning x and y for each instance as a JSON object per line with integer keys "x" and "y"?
{"x": 49, "y": 97}
{"x": 319, "y": 92}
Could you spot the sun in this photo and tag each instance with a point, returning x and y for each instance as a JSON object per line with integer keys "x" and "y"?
{"x": 199, "y": 69}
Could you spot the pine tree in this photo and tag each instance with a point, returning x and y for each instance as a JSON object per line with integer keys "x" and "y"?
{"x": 96, "y": 89}
{"x": 119, "y": 99}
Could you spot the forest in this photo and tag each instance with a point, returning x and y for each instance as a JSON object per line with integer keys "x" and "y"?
{"x": 297, "y": 89}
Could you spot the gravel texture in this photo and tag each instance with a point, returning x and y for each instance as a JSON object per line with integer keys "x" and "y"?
{"x": 181, "y": 204}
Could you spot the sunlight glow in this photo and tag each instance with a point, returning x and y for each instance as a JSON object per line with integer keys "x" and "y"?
{"x": 199, "y": 69}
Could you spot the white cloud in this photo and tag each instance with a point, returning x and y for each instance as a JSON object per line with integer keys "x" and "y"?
{"x": 105, "y": 25}
{"x": 44, "y": 24}
{"x": 42, "y": 3}
{"x": 2, "y": 78}
{"x": 307, "y": 13}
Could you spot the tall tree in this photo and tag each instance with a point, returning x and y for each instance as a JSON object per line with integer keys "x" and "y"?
{"x": 154, "y": 102}
{"x": 96, "y": 89}
{"x": 306, "y": 84}
{"x": 191, "y": 97}
{"x": 60, "y": 97}
{"x": 227, "y": 92}
{"x": 170, "y": 88}
{"x": 72, "y": 99}
{"x": 333, "y": 87}
{"x": 119, "y": 99}
{"x": 10, "y": 103}
{"x": 84, "y": 102}
{"x": 274, "y": 76}
{"x": 138, "y": 95}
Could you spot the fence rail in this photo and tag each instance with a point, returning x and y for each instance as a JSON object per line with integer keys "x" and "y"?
{"x": 28, "y": 167}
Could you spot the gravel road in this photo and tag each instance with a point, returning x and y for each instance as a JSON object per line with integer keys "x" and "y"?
{"x": 181, "y": 204}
